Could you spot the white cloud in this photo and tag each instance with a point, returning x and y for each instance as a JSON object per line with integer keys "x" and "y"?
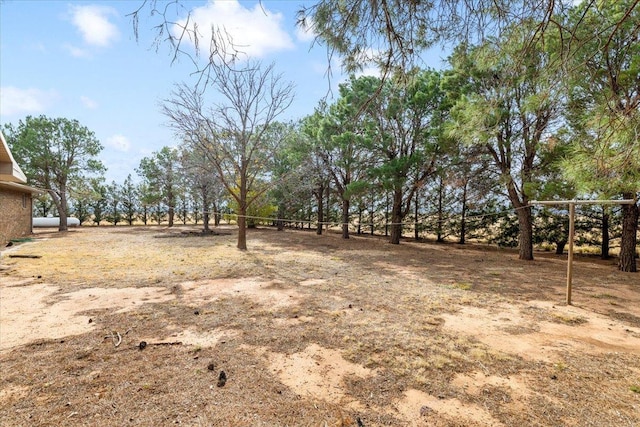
{"x": 93, "y": 23}
{"x": 77, "y": 52}
{"x": 88, "y": 102}
{"x": 254, "y": 32}
{"x": 16, "y": 101}
{"x": 119, "y": 143}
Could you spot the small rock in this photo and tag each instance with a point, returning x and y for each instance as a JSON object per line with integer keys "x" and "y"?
{"x": 424, "y": 411}
{"x": 211, "y": 366}
{"x": 142, "y": 345}
{"x": 222, "y": 379}
{"x": 197, "y": 312}
{"x": 90, "y": 320}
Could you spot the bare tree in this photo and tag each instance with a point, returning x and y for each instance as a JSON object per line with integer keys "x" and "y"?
{"x": 173, "y": 26}
{"x": 203, "y": 182}
{"x": 231, "y": 132}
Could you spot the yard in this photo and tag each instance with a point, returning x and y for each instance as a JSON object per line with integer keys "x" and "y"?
{"x": 116, "y": 326}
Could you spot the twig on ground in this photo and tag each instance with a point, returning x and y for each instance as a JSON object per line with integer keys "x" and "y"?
{"x": 119, "y": 341}
{"x": 144, "y": 344}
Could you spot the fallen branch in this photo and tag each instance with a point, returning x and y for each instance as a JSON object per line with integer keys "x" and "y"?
{"x": 24, "y": 256}
{"x": 144, "y": 344}
{"x": 166, "y": 343}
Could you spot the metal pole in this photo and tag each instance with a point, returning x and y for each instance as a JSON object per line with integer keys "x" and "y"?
{"x": 572, "y": 211}
{"x": 584, "y": 202}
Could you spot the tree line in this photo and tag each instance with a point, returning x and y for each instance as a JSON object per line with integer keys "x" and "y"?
{"x": 516, "y": 116}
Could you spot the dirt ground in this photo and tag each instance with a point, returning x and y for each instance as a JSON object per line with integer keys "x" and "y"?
{"x": 135, "y": 326}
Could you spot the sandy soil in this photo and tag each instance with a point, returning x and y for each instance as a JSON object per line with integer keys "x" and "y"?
{"x": 310, "y": 330}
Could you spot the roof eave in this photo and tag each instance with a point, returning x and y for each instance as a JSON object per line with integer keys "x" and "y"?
{"x": 7, "y": 158}
{"x": 20, "y": 187}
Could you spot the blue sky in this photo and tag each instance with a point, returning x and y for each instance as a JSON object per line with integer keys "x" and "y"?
{"x": 80, "y": 60}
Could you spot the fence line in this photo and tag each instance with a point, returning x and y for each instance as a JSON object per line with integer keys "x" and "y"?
{"x": 364, "y": 224}
{"x": 385, "y": 224}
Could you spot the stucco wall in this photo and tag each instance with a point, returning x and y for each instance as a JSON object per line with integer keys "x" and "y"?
{"x": 15, "y": 214}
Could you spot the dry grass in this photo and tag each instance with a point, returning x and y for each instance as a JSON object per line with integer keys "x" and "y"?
{"x": 382, "y": 307}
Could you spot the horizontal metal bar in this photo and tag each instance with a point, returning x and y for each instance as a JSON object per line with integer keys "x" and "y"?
{"x": 584, "y": 202}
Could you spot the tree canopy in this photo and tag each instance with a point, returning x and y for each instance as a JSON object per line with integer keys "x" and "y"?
{"x": 55, "y": 154}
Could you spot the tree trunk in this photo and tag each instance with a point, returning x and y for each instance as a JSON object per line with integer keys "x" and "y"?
{"x": 439, "y": 227}
{"x": 628, "y": 245}
{"x": 60, "y": 200}
{"x": 396, "y": 218}
{"x": 205, "y": 213}
{"x": 372, "y": 227}
{"x": 205, "y": 221}
{"x": 171, "y": 215}
{"x": 463, "y": 216}
{"x": 525, "y": 233}
{"x": 386, "y": 215}
{"x": 604, "y": 246}
{"x": 115, "y": 214}
{"x": 242, "y": 228}
{"x": 345, "y": 218}
{"x": 279, "y": 221}
{"x": 320, "y": 201}
{"x": 242, "y": 205}
{"x": 328, "y": 208}
{"x": 217, "y": 215}
{"x": 416, "y": 228}
{"x": 560, "y": 247}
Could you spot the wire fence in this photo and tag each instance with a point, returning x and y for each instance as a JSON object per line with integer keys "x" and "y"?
{"x": 367, "y": 224}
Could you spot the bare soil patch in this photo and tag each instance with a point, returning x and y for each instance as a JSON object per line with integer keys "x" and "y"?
{"x": 115, "y": 326}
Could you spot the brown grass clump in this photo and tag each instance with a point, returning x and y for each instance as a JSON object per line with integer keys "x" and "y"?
{"x": 117, "y": 326}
